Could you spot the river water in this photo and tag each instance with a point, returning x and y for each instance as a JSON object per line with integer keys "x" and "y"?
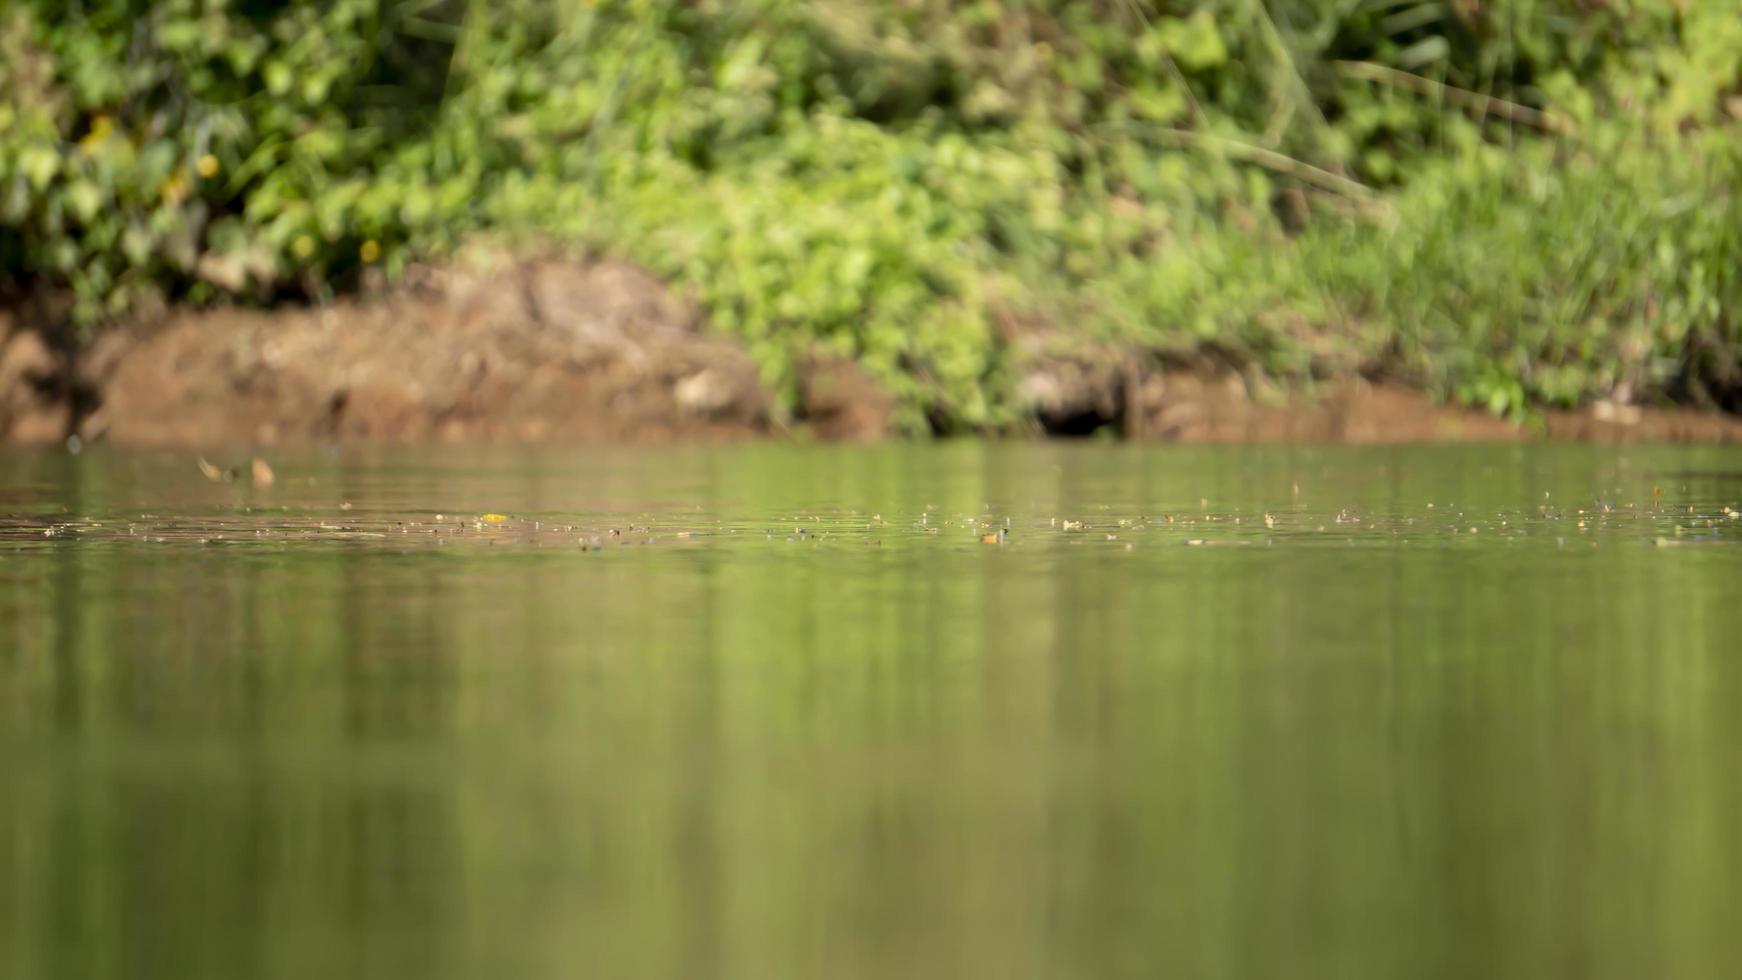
{"x": 957, "y": 710}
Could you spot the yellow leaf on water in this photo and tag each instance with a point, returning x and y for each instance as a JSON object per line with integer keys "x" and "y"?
{"x": 493, "y": 518}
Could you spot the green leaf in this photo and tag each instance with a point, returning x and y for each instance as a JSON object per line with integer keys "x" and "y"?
{"x": 1195, "y": 41}
{"x": 39, "y": 164}
{"x": 84, "y": 197}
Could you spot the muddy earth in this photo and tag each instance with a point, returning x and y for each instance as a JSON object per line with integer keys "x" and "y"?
{"x": 33, "y": 406}
{"x": 554, "y": 349}
{"x": 525, "y": 352}
{"x": 1089, "y": 390}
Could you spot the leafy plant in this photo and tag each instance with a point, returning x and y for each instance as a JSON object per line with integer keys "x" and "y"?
{"x": 1510, "y": 204}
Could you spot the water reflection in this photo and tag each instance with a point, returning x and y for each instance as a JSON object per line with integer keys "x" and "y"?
{"x": 896, "y": 754}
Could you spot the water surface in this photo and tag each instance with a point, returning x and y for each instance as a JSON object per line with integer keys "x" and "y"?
{"x": 781, "y": 711}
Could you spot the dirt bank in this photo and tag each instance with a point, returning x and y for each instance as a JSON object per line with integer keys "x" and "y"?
{"x": 1084, "y": 391}
{"x": 542, "y": 351}
{"x": 483, "y": 349}
{"x": 1196, "y": 408}
{"x": 554, "y": 349}
{"x": 33, "y": 403}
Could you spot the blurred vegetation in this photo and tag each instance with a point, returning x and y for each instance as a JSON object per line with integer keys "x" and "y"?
{"x": 1508, "y": 203}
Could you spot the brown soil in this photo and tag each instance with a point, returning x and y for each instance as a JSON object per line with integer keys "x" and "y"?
{"x": 551, "y": 349}
{"x": 1090, "y": 389}
{"x": 1199, "y": 408}
{"x": 541, "y": 351}
{"x": 839, "y": 401}
{"x": 32, "y": 410}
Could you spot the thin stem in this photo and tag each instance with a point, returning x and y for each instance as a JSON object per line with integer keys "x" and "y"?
{"x": 1270, "y": 160}
{"x": 1473, "y": 101}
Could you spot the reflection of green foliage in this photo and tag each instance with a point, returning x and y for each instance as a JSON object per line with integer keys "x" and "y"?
{"x": 739, "y": 756}
{"x": 906, "y": 183}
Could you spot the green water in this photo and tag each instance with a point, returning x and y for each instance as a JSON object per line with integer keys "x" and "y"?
{"x": 1453, "y": 712}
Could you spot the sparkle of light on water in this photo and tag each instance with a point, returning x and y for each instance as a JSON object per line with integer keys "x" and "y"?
{"x": 909, "y": 711}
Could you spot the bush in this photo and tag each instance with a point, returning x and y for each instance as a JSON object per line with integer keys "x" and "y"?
{"x": 1510, "y": 204}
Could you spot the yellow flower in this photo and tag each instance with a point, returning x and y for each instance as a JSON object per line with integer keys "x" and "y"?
{"x": 303, "y": 247}
{"x": 101, "y": 127}
{"x": 207, "y": 166}
{"x": 175, "y": 188}
{"x": 370, "y": 251}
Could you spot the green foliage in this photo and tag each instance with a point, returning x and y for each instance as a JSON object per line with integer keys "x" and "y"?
{"x": 184, "y": 148}
{"x": 1513, "y": 204}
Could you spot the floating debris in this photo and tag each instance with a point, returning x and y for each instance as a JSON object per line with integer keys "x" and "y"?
{"x": 213, "y": 473}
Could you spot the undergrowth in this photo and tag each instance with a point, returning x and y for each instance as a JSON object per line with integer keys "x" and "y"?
{"x": 1509, "y": 204}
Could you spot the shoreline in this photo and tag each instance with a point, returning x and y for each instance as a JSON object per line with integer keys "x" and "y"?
{"x": 558, "y": 351}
